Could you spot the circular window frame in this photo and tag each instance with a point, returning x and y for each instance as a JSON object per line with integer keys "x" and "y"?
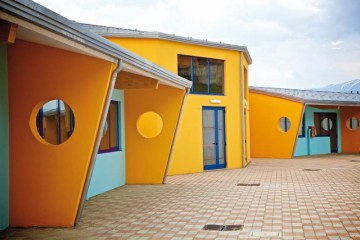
{"x": 287, "y": 122}
{"x": 330, "y": 122}
{"x": 348, "y": 123}
{"x": 149, "y": 124}
{"x": 34, "y": 125}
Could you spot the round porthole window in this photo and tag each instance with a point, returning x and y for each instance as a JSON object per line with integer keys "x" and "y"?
{"x": 55, "y": 121}
{"x": 352, "y": 123}
{"x": 149, "y": 124}
{"x": 326, "y": 124}
{"x": 285, "y": 124}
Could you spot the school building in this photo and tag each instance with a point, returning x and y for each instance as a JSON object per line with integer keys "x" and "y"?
{"x": 79, "y": 115}
{"x": 286, "y": 123}
{"x": 213, "y": 130}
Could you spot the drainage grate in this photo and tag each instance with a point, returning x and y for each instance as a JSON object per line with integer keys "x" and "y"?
{"x": 248, "y": 184}
{"x": 215, "y": 227}
{"x": 354, "y": 160}
{"x": 311, "y": 169}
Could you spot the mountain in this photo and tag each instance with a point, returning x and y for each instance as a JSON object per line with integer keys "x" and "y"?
{"x": 353, "y": 85}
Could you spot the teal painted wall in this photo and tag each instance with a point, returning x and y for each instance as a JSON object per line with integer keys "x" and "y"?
{"x": 109, "y": 169}
{"x": 4, "y": 140}
{"x": 317, "y": 145}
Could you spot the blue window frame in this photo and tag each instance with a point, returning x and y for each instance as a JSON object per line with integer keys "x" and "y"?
{"x": 302, "y": 127}
{"x": 206, "y": 74}
{"x": 110, "y": 141}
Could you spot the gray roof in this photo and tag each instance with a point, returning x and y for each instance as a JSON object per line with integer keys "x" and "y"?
{"x": 311, "y": 96}
{"x": 129, "y": 33}
{"x": 45, "y": 18}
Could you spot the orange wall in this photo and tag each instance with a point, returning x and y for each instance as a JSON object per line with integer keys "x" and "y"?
{"x": 46, "y": 181}
{"x": 350, "y": 140}
{"x": 267, "y": 139}
{"x": 146, "y": 158}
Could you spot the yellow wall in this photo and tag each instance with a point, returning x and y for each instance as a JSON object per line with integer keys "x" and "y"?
{"x": 188, "y": 152}
{"x": 146, "y": 158}
{"x": 46, "y": 181}
{"x": 267, "y": 139}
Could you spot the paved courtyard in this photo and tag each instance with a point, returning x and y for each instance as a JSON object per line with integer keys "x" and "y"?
{"x": 320, "y": 202}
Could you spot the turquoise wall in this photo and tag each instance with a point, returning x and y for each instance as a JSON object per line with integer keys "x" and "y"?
{"x": 109, "y": 169}
{"x": 317, "y": 145}
{"x": 4, "y": 140}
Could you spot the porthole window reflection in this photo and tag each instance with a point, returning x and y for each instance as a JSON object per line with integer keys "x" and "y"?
{"x": 55, "y": 122}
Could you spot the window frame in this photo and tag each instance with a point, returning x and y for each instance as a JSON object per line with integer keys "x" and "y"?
{"x": 208, "y": 70}
{"x": 117, "y": 131}
{"x": 302, "y": 130}
{"x": 322, "y": 132}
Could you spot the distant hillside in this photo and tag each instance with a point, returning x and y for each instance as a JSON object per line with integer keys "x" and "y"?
{"x": 353, "y": 85}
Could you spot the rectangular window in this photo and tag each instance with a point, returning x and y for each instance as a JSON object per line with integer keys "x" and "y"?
{"x": 302, "y": 127}
{"x": 206, "y": 74}
{"x": 110, "y": 141}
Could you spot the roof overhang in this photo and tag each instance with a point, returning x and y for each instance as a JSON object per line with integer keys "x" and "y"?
{"x": 40, "y": 25}
{"x": 121, "y": 33}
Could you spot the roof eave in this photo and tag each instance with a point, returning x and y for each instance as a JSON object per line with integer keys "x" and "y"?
{"x": 41, "y": 16}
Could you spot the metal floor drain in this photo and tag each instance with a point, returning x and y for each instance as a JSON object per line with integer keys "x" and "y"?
{"x": 354, "y": 160}
{"x": 215, "y": 227}
{"x": 311, "y": 169}
{"x": 248, "y": 184}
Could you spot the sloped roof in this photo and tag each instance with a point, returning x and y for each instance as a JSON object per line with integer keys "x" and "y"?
{"x": 311, "y": 96}
{"x": 45, "y": 18}
{"x": 129, "y": 33}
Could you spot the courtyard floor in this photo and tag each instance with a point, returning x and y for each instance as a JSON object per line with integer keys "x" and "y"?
{"x": 302, "y": 198}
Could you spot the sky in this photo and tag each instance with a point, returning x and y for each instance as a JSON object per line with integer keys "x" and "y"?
{"x": 293, "y": 43}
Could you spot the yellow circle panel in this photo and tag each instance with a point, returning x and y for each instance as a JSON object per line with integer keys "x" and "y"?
{"x": 149, "y": 124}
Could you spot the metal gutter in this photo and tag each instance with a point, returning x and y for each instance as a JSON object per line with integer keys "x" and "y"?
{"x": 45, "y": 18}
{"x": 242, "y": 116}
{"x": 175, "y": 135}
{"x": 98, "y": 140}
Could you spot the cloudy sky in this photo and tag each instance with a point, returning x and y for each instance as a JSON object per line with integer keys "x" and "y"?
{"x": 293, "y": 43}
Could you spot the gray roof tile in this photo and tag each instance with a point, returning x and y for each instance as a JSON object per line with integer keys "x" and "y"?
{"x": 311, "y": 96}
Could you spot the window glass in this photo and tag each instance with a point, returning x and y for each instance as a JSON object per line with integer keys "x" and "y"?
{"x": 285, "y": 124}
{"x": 216, "y": 76}
{"x": 200, "y": 75}
{"x": 184, "y": 66}
{"x": 326, "y": 124}
{"x": 352, "y": 123}
{"x": 206, "y": 74}
{"x": 55, "y": 122}
{"x": 110, "y": 141}
{"x": 302, "y": 127}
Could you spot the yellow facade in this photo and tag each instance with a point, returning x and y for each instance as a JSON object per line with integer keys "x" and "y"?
{"x": 187, "y": 154}
{"x": 268, "y": 138}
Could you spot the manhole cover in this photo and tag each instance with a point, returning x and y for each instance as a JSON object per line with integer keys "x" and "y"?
{"x": 248, "y": 184}
{"x": 215, "y": 227}
{"x": 311, "y": 169}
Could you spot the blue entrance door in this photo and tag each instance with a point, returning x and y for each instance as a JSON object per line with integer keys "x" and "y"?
{"x": 214, "y": 138}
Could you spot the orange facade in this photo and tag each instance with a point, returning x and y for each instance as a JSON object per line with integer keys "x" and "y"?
{"x": 45, "y": 189}
{"x": 350, "y": 139}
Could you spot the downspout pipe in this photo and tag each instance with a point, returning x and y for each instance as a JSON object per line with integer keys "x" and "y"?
{"x": 98, "y": 139}
{"x": 175, "y": 135}
{"x": 242, "y": 116}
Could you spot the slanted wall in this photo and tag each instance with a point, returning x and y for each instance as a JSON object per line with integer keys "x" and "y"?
{"x": 267, "y": 138}
{"x": 46, "y": 181}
